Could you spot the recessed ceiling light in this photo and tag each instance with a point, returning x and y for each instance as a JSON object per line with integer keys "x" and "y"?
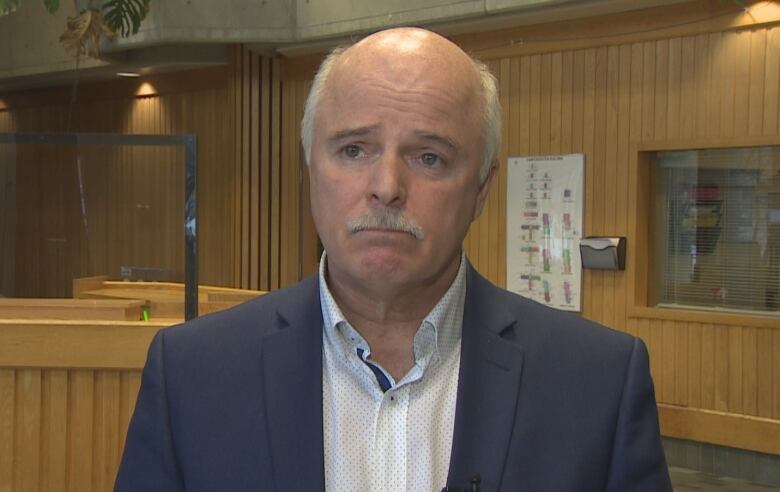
{"x": 128, "y": 74}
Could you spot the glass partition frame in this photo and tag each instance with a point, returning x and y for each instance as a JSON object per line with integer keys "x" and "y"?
{"x": 189, "y": 144}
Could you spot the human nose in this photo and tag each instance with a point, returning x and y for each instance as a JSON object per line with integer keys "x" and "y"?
{"x": 388, "y": 180}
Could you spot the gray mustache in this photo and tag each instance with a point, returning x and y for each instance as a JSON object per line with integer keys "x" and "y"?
{"x": 385, "y": 219}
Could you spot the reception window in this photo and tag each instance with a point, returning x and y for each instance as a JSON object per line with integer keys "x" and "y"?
{"x": 716, "y": 229}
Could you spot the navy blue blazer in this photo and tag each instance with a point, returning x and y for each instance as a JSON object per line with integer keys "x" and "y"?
{"x": 547, "y": 401}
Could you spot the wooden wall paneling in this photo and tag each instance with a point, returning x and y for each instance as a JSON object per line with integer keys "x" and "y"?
{"x": 635, "y": 126}
{"x": 249, "y": 251}
{"x": 722, "y": 368}
{"x": 764, "y": 357}
{"x": 545, "y": 101}
{"x": 668, "y": 362}
{"x": 241, "y": 117}
{"x": 567, "y": 103}
{"x": 687, "y": 88}
{"x": 725, "y": 429}
{"x": 299, "y": 193}
{"x": 749, "y": 374}
{"x": 674, "y": 96}
{"x": 708, "y": 365}
{"x": 80, "y": 429}
{"x": 715, "y": 49}
{"x": 694, "y": 365}
{"x": 742, "y": 84}
{"x": 54, "y": 425}
{"x": 556, "y": 88}
{"x": 129, "y": 384}
{"x": 272, "y": 80}
{"x": 588, "y": 139}
{"x": 27, "y": 435}
{"x": 755, "y": 88}
{"x": 261, "y": 132}
{"x": 241, "y": 260}
{"x": 658, "y": 365}
{"x": 701, "y": 84}
{"x": 534, "y": 105}
{"x": 680, "y": 363}
{"x": 106, "y": 454}
{"x": 7, "y": 415}
{"x": 771, "y": 101}
{"x": 736, "y": 369}
{"x": 661, "y": 88}
{"x": 599, "y": 209}
{"x": 578, "y": 101}
{"x": 289, "y": 175}
{"x": 611, "y": 171}
{"x": 628, "y": 91}
{"x": 728, "y": 84}
{"x": 258, "y": 182}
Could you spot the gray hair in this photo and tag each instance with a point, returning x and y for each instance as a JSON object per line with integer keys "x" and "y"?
{"x": 491, "y": 109}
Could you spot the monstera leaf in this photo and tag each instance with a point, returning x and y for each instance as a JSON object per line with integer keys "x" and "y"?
{"x": 83, "y": 32}
{"x": 125, "y": 16}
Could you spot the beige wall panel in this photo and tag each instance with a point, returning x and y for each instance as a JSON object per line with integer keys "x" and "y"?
{"x": 764, "y": 359}
{"x": 54, "y": 425}
{"x": 27, "y": 435}
{"x": 772, "y": 83}
{"x": 81, "y": 429}
{"x": 694, "y": 362}
{"x": 749, "y": 370}
{"x": 7, "y": 414}
{"x": 708, "y": 364}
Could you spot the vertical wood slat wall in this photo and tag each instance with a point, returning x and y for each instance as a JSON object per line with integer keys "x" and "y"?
{"x": 175, "y": 103}
{"x": 63, "y": 429}
{"x": 268, "y": 228}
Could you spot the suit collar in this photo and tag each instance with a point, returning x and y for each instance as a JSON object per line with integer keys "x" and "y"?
{"x": 489, "y": 383}
{"x": 488, "y": 386}
{"x": 292, "y": 383}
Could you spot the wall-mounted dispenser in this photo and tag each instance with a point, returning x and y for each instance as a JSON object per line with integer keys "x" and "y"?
{"x": 604, "y": 253}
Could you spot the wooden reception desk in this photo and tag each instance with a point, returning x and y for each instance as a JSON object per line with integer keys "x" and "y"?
{"x": 68, "y": 386}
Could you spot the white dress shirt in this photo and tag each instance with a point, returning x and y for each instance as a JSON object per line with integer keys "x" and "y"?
{"x": 399, "y": 439}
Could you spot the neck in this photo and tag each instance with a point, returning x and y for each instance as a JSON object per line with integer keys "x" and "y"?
{"x": 388, "y": 317}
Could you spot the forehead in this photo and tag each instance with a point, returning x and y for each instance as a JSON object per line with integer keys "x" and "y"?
{"x": 428, "y": 87}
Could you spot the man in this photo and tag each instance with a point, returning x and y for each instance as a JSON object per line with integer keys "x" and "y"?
{"x": 398, "y": 367}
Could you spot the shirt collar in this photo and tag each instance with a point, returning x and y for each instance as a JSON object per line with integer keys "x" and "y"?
{"x": 438, "y": 335}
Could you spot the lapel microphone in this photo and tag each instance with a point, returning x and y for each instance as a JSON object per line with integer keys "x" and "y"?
{"x": 474, "y": 485}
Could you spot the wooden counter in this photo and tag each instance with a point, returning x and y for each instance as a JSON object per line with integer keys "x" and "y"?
{"x": 67, "y": 391}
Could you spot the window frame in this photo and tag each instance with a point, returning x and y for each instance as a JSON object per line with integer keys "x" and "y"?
{"x": 641, "y": 263}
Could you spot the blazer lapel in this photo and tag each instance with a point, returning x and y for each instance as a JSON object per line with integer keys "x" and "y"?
{"x": 292, "y": 383}
{"x": 488, "y": 387}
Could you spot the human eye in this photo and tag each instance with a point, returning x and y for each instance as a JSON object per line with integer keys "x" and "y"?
{"x": 352, "y": 151}
{"x": 429, "y": 159}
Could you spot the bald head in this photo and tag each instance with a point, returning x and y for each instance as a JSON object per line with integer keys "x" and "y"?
{"x": 410, "y": 57}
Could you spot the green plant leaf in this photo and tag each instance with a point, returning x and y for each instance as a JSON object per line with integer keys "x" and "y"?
{"x": 51, "y": 5}
{"x": 125, "y": 16}
{"x": 8, "y": 6}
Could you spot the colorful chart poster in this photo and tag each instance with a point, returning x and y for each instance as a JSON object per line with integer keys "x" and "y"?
{"x": 544, "y": 227}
